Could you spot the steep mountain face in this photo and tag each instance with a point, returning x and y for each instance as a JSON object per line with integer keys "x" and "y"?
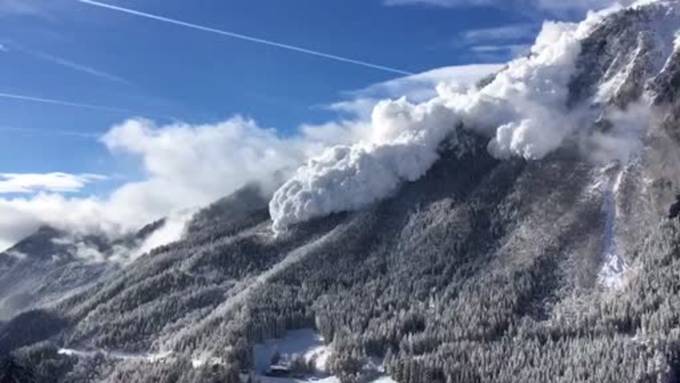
{"x": 52, "y": 264}
{"x": 485, "y": 269}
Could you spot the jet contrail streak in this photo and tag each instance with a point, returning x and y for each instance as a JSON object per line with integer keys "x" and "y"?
{"x": 21, "y": 97}
{"x": 72, "y": 104}
{"x": 74, "y": 66}
{"x": 11, "y": 46}
{"x": 246, "y": 37}
{"x": 52, "y": 132}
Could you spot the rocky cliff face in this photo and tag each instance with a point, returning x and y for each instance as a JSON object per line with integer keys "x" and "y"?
{"x": 484, "y": 269}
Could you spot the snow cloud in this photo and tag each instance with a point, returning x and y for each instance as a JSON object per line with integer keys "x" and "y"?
{"x": 199, "y": 163}
{"x": 186, "y": 166}
{"x": 523, "y": 111}
{"x": 416, "y": 88}
{"x": 20, "y": 216}
{"x": 622, "y": 140}
{"x": 350, "y": 177}
{"x": 338, "y": 166}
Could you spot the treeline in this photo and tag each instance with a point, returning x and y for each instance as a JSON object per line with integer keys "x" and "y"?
{"x": 483, "y": 271}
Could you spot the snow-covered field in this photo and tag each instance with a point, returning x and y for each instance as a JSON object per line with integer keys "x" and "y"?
{"x": 306, "y": 343}
{"x": 267, "y": 379}
{"x": 332, "y": 379}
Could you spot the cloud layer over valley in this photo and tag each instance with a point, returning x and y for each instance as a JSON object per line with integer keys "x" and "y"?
{"x": 188, "y": 166}
{"x": 385, "y": 135}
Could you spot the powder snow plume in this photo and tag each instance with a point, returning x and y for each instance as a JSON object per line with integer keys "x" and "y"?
{"x": 524, "y": 111}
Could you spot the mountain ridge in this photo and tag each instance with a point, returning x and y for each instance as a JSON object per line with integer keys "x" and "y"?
{"x": 483, "y": 269}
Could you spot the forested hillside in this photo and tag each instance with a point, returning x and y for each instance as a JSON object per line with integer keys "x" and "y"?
{"x": 485, "y": 269}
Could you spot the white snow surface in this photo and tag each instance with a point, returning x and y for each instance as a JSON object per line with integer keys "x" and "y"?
{"x": 331, "y": 379}
{"x": 268, "y": 379}
{"x": 304, "y": 342}
{"x": 384, "y": 379}
{"x": 523, "y": 110}
{"x": 612, "y": 273}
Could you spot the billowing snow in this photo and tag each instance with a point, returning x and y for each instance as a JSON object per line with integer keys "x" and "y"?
{"x": 523, "y": 110}
{"x": 171, "y": 231}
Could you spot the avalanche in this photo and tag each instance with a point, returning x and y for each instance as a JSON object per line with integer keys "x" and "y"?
{"x": 523, "y": 111}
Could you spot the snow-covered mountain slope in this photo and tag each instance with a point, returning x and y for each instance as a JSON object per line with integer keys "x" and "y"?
{"x": 52, "y": 264}
{"x": 514, "y": 232}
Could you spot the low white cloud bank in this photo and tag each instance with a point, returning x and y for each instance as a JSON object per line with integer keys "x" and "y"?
{"x": 523, "y": 111}
{"x": 186, "y": 166}
{"x": 172, "y": 229}
{"x": 24, "y": 183}
{"x": 417, "y": 88}
{"x": 189, "y": 166}
{"x": 338, "y": 166}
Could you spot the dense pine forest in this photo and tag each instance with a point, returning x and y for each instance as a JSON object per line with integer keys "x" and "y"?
{"x": 483, "y": 270}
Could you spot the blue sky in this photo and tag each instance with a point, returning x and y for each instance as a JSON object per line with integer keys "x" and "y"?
{"x": 218, "y": 111}
{"x": 61, "y": 49}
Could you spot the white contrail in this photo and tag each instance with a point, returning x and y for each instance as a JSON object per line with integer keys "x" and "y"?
{"x": 73, "y": 65}
{"x": 73, "y": 104}
{"x": 21, "y": 97}
{"x": 247, "y": 38}
{"x": 11, "y": 46}
{"x": 52, "y": 132}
